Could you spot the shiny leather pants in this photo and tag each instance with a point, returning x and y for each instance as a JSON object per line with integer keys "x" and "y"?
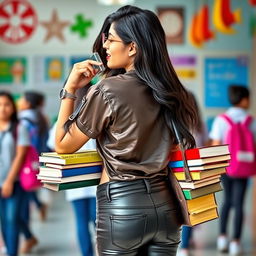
{"x": 139, "y": 217}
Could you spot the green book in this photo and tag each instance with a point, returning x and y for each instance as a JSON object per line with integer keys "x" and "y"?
{"x": 71, "y": 185}
{"x": 198, "y": 192}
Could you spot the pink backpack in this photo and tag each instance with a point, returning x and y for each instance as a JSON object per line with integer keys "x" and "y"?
{"x": 242, "y": 148}
{"x": 29, "y": 171}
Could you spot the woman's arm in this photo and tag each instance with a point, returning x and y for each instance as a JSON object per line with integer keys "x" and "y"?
{"x": 69, "y": 142}
{"x": 7, "y": 187}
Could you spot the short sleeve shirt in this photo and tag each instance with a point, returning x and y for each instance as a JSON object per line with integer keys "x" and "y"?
{"x": 220, "y": 126}
{"x": 128, "y": 124}
{"x": 8, "y": 148}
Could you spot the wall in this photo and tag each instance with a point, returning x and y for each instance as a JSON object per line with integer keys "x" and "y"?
{"x": 38, "y": 54}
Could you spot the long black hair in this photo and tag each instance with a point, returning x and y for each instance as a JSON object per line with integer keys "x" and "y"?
{"x": 14, "y": 116}
{"x": 152, "y": 65}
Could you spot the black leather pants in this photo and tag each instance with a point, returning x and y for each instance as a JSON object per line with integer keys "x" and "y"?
{"x": 139, "y": 217}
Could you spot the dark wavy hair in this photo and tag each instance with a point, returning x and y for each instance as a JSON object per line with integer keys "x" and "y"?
{"x": 14, "y": 117}
{"x": 153, "y": 66}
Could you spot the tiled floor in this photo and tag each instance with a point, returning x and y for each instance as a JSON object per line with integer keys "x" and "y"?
{"x": 57, "y": 235}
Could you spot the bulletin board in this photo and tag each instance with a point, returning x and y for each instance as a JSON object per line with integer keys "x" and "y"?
{"x": 219, "y": 73}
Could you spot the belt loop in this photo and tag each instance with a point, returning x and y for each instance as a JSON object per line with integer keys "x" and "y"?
{"x": 147, "y": 184}
{"x": 108, "y": 192}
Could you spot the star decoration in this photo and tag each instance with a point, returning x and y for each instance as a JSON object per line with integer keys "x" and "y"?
{"x": 54, "y": 27}
{"x": 81, "y": 25}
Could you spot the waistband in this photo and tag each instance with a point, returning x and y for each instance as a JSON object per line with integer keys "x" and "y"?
{"x": 147, "y": 185}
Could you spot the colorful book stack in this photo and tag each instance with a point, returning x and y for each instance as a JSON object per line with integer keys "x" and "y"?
{"x": 67, "y": 171}
{"x": 206, "y": 165}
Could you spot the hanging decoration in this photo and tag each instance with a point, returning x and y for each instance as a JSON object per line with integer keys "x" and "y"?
{"x": 192, "y": 32}
{"x": 200, "y": 31}
{"x": 18, "y": 21}
{"x": 54, "y": 27}
{"x": 203, "y": 32}
{"x": 223, "y": 17}
{"x": 81, "y": 26}
{"x": 252, "y": 2}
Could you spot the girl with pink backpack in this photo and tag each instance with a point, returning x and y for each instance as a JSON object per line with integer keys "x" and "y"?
{"x": 238, "y": 129}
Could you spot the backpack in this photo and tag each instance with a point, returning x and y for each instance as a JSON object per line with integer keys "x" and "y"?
{"x": 241, "y": 147}
{"x": 30, "y": 167}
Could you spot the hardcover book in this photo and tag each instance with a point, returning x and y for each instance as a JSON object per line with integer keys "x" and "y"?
{"x": 199, "y": 175}
{"x": 201, "y": 152}
{"x": 58, "y": 173}
{"x": 71, "y": 185}
{"x": 46, "y": 179}
{"x": 195, "y": 193}
{"x": 200, "y": 162}
{"x": 199, "y": 183}
{"x": 74, "y": 158}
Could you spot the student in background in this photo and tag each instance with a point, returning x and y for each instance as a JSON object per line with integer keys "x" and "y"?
{"x": 14, "y": 142}
{"x": 83, "y": 200}
{"x": 234, "y": 188}
{"x": 201, "y": 137}
{"x": 32, "y": 119}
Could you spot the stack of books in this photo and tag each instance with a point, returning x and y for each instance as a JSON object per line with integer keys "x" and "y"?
{"x": 67, "y": 171}
{"x": 206, "y": 165}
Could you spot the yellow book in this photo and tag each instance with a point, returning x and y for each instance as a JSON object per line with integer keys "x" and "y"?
{"x": 88, "y": 156}
{"x": 199, "y": 175}
{"x": 200, "y": 217}
{"x": 201, "y": 203}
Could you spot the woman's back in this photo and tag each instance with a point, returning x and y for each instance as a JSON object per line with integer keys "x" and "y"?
{"x": 136, "y": 141}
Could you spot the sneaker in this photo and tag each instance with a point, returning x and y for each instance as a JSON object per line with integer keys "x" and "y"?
{"x": 28, "y": 245}
{"x": 222, "y": 244}
{"x": 235, "y": 248}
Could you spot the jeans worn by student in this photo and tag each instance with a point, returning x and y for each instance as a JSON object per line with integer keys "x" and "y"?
{"x": 10, "y": 219}
{"x": 85, "y": 211}
{"x": 139, "y": 217}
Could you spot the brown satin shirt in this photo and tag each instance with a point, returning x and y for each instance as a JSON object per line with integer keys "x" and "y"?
{"x": 128, "y": 125}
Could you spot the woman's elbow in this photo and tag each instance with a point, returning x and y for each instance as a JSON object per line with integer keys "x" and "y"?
{"x": 61, "y": 149}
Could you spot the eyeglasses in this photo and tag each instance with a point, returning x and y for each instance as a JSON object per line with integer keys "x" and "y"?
{"x": 105, "y": 39}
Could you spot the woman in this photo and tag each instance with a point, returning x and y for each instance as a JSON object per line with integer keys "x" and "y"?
{"x": 129, "y": 113}
{"x": 14, "y": 142}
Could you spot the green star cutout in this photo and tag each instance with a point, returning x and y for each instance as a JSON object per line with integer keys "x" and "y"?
{"x": 81, "y": 25}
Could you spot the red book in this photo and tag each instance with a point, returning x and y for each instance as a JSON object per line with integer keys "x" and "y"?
{"x": 202, "y": 152}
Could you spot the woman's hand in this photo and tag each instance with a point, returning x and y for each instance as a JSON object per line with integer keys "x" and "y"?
{"x": 7, "y": 189}
{"x": 81, "y": 74}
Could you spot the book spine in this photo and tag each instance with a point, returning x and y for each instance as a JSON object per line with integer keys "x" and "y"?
{"x": 80, "y": 155}
{"x": 81, "y": 171}
{"x": 80, "y": 160}
{"x": 175, "y": 164}
{"x": 79, "y": 184}
{"x": 190, "y": 155}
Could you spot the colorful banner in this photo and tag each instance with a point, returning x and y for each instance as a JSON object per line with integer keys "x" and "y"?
{"x": 219, "y": 74}
{"x": 13, "y": 70}
{"x": 185, "y": 66}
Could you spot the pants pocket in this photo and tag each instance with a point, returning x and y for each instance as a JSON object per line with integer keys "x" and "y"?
{"x": 127, "y": 231}
{"x": 172, "y": 219}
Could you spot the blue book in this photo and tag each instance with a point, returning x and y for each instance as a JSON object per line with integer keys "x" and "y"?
{"x": 61, "y": 173}
{"x": 175, "y": 164}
